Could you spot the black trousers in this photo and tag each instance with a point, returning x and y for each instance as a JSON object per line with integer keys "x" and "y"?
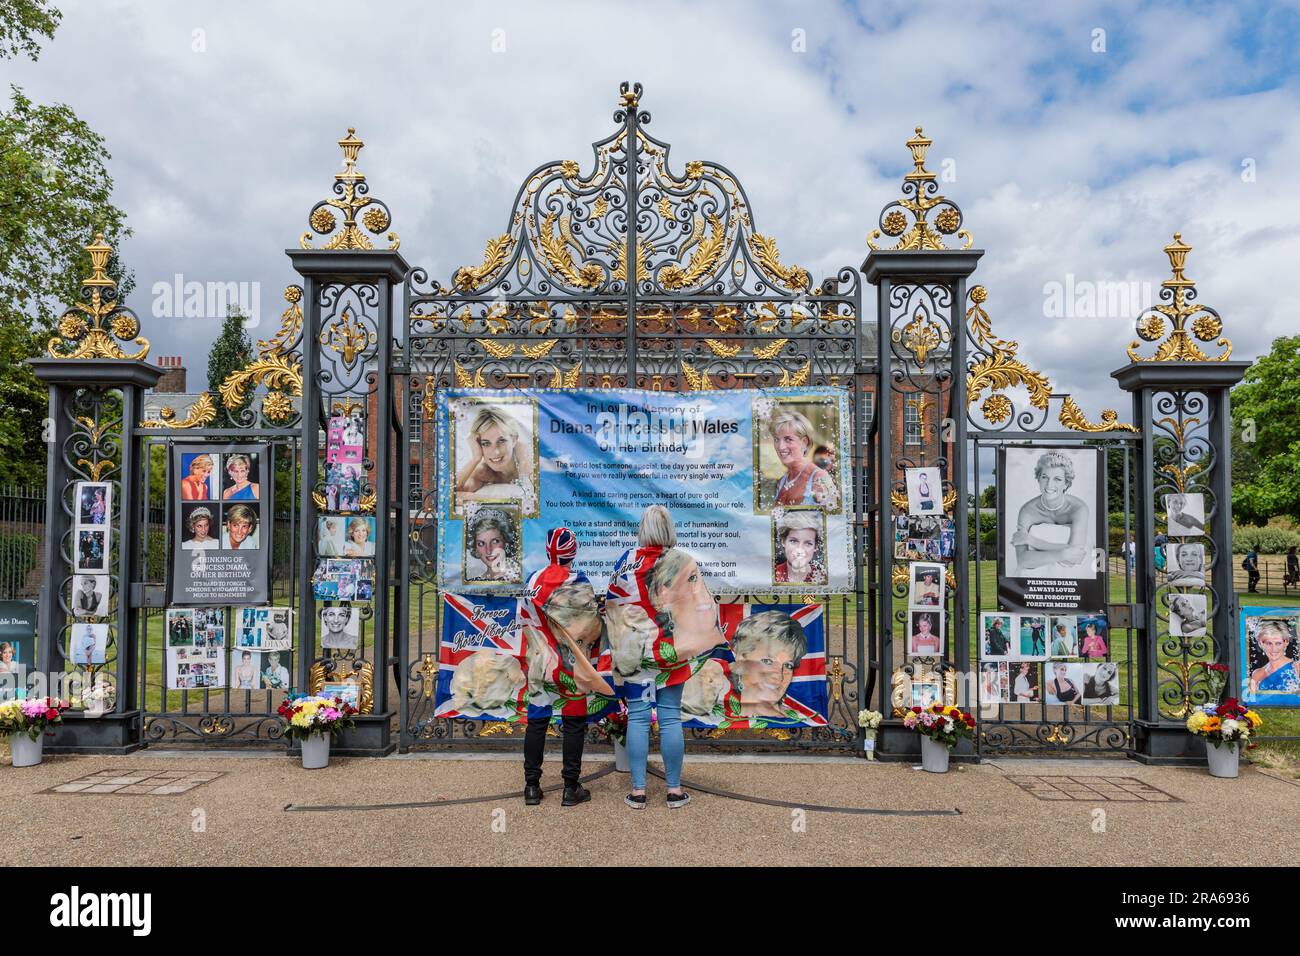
{"x": 574, "y": 730}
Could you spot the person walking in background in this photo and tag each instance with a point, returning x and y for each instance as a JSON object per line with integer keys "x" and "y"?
{"x": 1250, "y": 564}
{"x": 1161, "y": 541}
{"x": 1292, "y": 568}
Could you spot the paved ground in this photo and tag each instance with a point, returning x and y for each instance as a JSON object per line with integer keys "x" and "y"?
{"x": 240, "y": 802}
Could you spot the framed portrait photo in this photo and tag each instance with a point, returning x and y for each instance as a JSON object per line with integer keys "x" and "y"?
{"x": 88, "y": 643}
{"x": 1064, "y": 683}
{"x": 492, "y": 553}
{"x": 796, "y": 457}
{"x": 494, "y": 447}
{"x": 1188, "y": 615}
{"x": 1100, "y": 684}
{"x": 1270, "y": 656}
{"x": 798, "y": 546}
{"x": 340, "y": 627}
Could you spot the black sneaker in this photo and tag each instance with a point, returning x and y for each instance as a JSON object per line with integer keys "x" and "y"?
{"x": 574, "y": 795}
{"x": 676, "y": 800}
{"x": 532, "y": 794}
{"x": 635, "y": 800}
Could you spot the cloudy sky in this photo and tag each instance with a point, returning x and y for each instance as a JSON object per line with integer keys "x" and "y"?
{"x": 1077, "y": 137}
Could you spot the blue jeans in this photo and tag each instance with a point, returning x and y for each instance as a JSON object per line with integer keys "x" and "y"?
{"x": 671, "y": 744}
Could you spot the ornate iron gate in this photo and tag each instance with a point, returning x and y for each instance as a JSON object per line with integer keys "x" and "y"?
{"x": 707, "y": 304}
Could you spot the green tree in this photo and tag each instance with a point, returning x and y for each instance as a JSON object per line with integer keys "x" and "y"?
{"x": 1266, "y": 436}
{"x": 230, "y": 352}
{"x": 54, "y": 196}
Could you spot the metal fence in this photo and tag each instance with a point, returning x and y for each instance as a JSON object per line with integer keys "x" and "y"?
{"x": 22, "y": 541}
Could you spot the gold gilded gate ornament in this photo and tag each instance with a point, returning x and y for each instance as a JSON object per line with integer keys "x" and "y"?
{"x": 1187, "y": 318}
{"x": 352, "y": 197}
{"x": 920, "y": 199}
{"x": 93, "y": 331}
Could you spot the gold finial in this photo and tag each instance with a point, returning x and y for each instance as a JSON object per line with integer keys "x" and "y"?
{"x": 919, "y": 145}
{"x": 909, "y": 217}
{"x": 1187, "y": 320}
{"x": 93, "y": 330}
{"x": 351, "y": 197}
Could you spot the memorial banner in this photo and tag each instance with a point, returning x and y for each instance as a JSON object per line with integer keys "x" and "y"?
{"x": 17, "y": 646}
{"x": 1270, "y": 656}
{"x": 1052, "y": 552}
{"x": 221, "y": 525}
{"x": 757, "y": 482}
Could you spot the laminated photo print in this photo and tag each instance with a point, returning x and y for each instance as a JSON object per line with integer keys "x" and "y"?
{"x": 92, "y": 550}
{"x": 1186, "y": 514}
{"x": 245, "y": 668}
{"x": 179, "y": 622}
{"x": 925, "y": 634}
{"x": 493, "y": 543}
{"x": 201, "y": 481}
{"x": 340, "y": 627}
{"x": 94, "y": 503}
{"x": 338, "y": 536}
{"x": 342, "y": 487}
{"x": 1025, "y": 682}
{"x": 995, "y": 683}
{"x": 1188, "y": 615}
{"x": 1064, "y": 636}
{"x": 90, "y": 595}
{"x": 1100, "y": 684}
{"x": 924, "y": 491}
{"x": 1064, "y": 683}
{"x": 275, "y": 671}
{"x": 1032, "y": 630}
{"x": 209, "y": 627}
{"x": 89, "y": 644}
{"x": 1094, "y": 636}
{"x": 1270, "y": 656}
{"x": 1185, "y": 564}
{"x": 926, "y": 585}
{"x": 996, "y": 635}
{"x": 345, "y": 439}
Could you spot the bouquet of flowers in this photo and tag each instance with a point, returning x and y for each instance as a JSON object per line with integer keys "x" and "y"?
{"x": 32, "y": 716}
{"x": 316, "y": 715}
{"x": 613, "y": 726}
{"x": 1216, "y": 675}
{"x": 869, "y": 721}
{"x": 942, "y": 724}
{"x": 1226, "y": 722}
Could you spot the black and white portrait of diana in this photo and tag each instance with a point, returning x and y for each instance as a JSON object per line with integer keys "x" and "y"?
{"x": 1186, "y": 564}
{"x": 1049, "y": 530}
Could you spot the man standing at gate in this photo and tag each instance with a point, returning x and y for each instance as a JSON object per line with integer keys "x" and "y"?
{"x": 562, "y": 630}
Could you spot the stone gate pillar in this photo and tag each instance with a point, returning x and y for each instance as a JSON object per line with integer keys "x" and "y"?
{"x": 96, "y": 394}
{"x": 920, "y": 421}
{"x": 348, "y": 344}
{"x": 1181, "y": 404}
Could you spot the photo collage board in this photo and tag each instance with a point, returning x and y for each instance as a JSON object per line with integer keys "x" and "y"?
{"x": 1050, "y": 640}
{"x": 345, "y": 538}
{"x": 91, "y": 583}
{"x": 251, "y": 645}
{"x": 924, "y": 538}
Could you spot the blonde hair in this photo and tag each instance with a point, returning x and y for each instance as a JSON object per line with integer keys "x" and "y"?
{"x": 490, "y": 415}
{"x": 354, "y": 523}
{"x": 237, "y": 459}
{"x": 788, "y": 416}
{"x": 656, "y": 530}
{"x": 201, "y": 461}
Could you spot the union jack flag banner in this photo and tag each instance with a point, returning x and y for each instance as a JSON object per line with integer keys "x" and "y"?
{"x": 481, "y": 660}
{"x": 778, "y": 677}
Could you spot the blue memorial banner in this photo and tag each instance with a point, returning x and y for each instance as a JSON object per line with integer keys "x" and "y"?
{"x": 757, "y": 482}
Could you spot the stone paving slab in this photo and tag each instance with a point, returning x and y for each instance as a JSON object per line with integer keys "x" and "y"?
{"x": 244, "y": 821}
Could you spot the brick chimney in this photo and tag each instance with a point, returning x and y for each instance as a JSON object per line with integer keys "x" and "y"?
{"x": 173, "y": 379}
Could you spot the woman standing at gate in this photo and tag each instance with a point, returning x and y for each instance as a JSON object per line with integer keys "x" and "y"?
{"x": 663, "y": 628}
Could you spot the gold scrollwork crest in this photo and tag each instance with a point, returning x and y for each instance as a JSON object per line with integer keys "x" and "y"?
{"x": 901, "y": 685}
{"x": 919, "y": 200}
{"x": 921, "y": 336}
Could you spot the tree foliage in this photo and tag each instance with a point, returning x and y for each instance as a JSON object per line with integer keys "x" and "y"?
{"x": 230, "y": 352}
{"x": 22, "y": 24}
{"x": 1266, "y": 436}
